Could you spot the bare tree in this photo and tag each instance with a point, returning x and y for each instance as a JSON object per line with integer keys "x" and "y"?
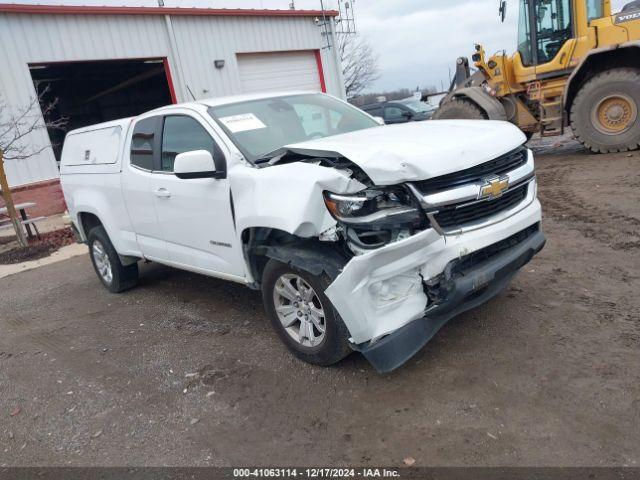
{"x": 359, "y": 64}
{"x": 16, "y": 124}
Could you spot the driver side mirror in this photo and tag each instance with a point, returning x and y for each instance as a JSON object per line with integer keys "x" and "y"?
{"x": 380, "y": 120}
{"x": 502, "y": 11}
{"x": 407, "y": 115}
{"x": 196, "y": 164}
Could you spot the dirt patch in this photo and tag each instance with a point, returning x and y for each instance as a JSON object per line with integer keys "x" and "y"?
{"x": 185, "y": 369}
{"x": 38, "y": 248}
{"x": 594, "y": 194}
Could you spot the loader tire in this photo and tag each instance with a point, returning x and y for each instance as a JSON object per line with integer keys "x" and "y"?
{"x": 605, "y": 115}
{"x": 459, "y": 108}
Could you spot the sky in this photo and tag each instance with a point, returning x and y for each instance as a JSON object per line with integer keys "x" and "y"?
{"x": 417, "y": 41}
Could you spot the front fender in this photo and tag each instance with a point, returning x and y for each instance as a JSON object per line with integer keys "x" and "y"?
{"x": 287, "y": 197}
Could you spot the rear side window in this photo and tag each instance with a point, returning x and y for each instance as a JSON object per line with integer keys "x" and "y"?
{"x": 143, "y": 143}
{"x": 183, "y": 134}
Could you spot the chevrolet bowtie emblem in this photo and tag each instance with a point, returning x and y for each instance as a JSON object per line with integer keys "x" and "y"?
{"x": 494, "y": 187}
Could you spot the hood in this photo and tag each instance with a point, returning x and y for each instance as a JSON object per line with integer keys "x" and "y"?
{"x": 412, "y": 151}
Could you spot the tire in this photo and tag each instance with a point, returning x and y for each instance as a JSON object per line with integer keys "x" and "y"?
{"x": 459, "y": 108}
{"x": 101, "y": 250}
{"x": 334, "y": 344}
{"x": 605, "y": 114}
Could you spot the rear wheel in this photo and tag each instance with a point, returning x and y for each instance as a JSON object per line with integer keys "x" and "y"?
{"x": 106, "y": 262}
{"x": 302, "y": 315}
{"x": 604, "y": 114}
{"x": 459, "y": 108}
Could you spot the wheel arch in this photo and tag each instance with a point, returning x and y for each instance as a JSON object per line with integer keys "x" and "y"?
{"x": 625, "y": 55}
{"x": 259, "y": 244}
{"x": 86, "y": 221}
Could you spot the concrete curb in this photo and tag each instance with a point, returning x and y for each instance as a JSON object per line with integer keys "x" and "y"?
{"x": 64, "y": 253}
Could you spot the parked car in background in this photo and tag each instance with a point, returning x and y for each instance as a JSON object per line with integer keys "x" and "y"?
{"x": 399, "y": 111}
{"x": 360, "y": 236}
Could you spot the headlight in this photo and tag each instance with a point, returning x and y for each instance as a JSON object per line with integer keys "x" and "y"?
{"x": 375, "y": 208}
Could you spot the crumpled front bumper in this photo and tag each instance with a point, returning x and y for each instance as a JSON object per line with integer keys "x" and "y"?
{"x": 381, "y": 297}
{"x": 468, "y": 290}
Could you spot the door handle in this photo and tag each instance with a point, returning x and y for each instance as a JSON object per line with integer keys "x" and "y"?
{"x": 162, "y": 192}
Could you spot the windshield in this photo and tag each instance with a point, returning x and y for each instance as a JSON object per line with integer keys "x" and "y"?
{"x": 260, "y": 127}
{"x": 416, "y": 105}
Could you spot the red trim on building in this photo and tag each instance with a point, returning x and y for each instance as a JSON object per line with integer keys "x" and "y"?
{"x": 33, "y": 186}
{"x": 323, "y": 85}
{"x": 100, "y": 10}
{"x": 167, "y": 71}
{"x": 47, "y": 195}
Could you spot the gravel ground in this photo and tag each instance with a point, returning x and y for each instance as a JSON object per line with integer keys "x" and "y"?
{"x": 184, "y": 370}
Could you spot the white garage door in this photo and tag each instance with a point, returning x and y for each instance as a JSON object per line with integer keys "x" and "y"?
{"x": 269, "y": 72}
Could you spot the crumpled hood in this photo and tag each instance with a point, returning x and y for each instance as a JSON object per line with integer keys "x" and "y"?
{"x": 393, "y": 154}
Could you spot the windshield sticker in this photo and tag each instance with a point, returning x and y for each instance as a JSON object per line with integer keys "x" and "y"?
{"x": 242, "y": 123}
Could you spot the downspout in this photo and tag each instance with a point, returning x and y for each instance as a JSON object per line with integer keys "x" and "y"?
{"x": 184, "y": 89}
{"x": 336, "y": 60}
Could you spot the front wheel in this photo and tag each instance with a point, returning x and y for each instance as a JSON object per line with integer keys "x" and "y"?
{"x": 302, "y": 315}
{"x": 106, "y": 262}
{"x": 604, "y": 114}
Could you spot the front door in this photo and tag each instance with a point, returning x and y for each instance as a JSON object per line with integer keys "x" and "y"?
{"x": 195, "y": 215}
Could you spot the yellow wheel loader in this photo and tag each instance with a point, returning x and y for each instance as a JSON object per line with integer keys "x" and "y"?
{"x": 577, "y": 65}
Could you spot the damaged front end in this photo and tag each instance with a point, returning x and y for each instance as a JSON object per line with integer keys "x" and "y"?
{"x": 408, "y": 256}
{"x": 465, "y": 283}
{"x": 411, "y": 271}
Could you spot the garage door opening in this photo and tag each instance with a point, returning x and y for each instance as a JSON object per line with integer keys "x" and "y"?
{"x": 99, "y": 91}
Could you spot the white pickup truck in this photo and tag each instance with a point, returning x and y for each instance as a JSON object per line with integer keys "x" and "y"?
{"x": 361, "y": 236}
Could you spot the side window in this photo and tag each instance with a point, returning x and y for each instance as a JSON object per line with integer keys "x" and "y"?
{"x": 392, "y": 113}
{"x": 524, "y": 34}
{"x": 182, "y": 134}
{"x": 143, "y": 142}
{"x": 594, "y": 9}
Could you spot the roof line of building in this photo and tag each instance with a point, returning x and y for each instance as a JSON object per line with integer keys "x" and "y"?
{"x": 105, "y": 10}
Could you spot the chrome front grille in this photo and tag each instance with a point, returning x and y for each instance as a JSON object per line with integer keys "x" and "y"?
{"x": 478, "y": 196}
{"x": 454, "y": 215}
{"x": 499, "y": 166}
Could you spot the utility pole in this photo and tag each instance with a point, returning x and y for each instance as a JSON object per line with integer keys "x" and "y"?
{"x": 8, "y": 201}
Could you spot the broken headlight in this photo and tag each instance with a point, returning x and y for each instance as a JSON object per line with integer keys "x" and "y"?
{"x": 375, "y": 208}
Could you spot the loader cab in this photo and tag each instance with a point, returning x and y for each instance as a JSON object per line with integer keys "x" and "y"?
{"x": 545, "y": 28}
